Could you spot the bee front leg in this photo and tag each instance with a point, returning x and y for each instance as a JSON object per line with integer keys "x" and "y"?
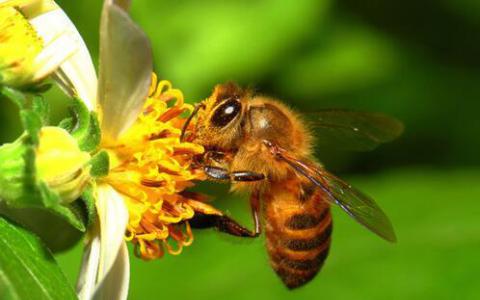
{"x": 218, "y": 173}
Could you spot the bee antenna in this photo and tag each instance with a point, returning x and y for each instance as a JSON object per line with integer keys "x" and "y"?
{"x": 189, "y": 119}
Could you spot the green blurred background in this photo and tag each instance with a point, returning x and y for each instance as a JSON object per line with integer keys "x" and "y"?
{"x": 416, "y": 60}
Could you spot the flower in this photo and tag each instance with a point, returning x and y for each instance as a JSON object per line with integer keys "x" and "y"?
{"x": 150, "y": 168}
{"x": 143, "y": 198}
{"x": 38, "y": 39}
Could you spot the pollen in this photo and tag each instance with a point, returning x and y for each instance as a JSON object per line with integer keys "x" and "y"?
{"x": 152, "y": 169}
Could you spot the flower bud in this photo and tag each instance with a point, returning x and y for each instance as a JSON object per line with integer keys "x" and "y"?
{"x": 61, "y": 164}
{"x": 56, "y": 163}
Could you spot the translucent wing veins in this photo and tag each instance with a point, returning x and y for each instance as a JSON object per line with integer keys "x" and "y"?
{"x": 358, "y": 205}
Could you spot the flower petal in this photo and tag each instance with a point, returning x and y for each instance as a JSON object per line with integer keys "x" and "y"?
{"x": 115, "y": 284}
{"x": 125, "y": 70}
{"x": 89, "y": 269}
{"x": 113, "y": 217}
{"x": 125, "y": 4}
{"x": 76, "y": 74}
{"x": 53, "y": 55}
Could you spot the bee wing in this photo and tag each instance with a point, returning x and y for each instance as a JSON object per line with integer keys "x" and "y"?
{"x": 359, "y": 206}
{"x": 353, "y": 130}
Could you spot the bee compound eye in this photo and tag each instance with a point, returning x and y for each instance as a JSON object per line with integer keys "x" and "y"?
{"x": 226, "y": 112}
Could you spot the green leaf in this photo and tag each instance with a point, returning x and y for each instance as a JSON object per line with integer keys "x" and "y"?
{"x": 27, "y": 268}
{"x": 57, "y": 234}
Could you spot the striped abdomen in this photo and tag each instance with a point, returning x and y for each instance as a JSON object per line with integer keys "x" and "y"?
{"x": 298, "y": 229}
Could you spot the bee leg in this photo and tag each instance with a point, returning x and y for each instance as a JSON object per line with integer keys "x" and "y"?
{"x": 255, "y": 206}
{"x": 216, "y": 173}
{"x": 222, "y": 223}
{"x": 246, "y": 176}
{"x": 228, "y": 225}
{"x": 223, "y": 174}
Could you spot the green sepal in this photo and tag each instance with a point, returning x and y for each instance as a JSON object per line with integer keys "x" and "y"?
{"x": 88, "y": 200}
{"x": 81, "y": 115}
{"x": 39, "y": 88}
{"x": 31, "y": 203}
{"x": 34, "y": 111}
{"x": 41, "y": 107}
{"x": 69, "y": 212}
{"x": 91, "y": 141}
{"x": 17, "y": 177}
{"x": 26, "y": 199}
{"x": 14, "y": 95}
{"x": 67, "y": 124}
{"x": 100, "y": 164}
{"x": 19, "y": 187}
{"x": 83, "y": 125}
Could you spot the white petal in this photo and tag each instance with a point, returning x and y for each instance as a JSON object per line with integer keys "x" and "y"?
{"x": 115, "y": 284}
{"x": 77, "y": 72}
{"x": 54, "y": 54}
{"x": 86, "y": 282}
{"x": 125, "y": 70}
{"x": 113, "y": 217}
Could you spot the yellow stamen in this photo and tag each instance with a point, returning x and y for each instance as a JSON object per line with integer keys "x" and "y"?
{"x": 151, "y": 168}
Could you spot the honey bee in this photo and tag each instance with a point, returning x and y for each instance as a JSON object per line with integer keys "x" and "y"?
{"x": 263, "y": 147}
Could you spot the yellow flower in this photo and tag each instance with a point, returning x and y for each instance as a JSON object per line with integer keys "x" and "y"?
{"x": 150, "y": 168}
{"x": 143, "y": 198}
{"x": 38, "y": 39}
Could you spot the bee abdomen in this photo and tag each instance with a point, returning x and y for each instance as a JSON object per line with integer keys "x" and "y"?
{"x": 310, "y": 243}
{"x": 299, "y": 246}
{"x": 305, "y": 220}
{"x": 297, "y": 272}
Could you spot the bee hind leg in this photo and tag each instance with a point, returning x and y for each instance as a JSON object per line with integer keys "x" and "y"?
{"x": 228, "y": 225}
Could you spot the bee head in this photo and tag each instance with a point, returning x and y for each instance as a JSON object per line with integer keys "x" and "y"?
{"x": 219, "y": 117}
